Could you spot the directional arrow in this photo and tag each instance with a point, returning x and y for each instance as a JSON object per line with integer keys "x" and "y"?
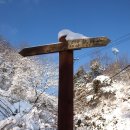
{"x": 63, "y": 46}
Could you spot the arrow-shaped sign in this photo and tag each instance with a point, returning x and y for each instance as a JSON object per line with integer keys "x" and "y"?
{"x": 63, "y": 46}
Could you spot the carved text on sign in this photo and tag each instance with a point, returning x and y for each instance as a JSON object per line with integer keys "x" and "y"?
{"x": 68, "y": 45}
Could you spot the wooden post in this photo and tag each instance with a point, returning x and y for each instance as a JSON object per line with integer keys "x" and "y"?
{"x": 65, "y": 94}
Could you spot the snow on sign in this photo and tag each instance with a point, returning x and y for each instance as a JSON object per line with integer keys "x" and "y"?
{"x": 70, "y": 35}
{"x": 68, "y": 41}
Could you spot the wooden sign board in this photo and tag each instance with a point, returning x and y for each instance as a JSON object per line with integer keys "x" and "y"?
{"x": 63, "y": 46}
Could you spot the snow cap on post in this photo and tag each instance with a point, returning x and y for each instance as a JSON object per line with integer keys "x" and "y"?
{"x": 69, "y": 35}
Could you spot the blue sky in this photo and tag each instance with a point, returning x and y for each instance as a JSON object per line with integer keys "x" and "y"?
{"x": 37, "y": 22}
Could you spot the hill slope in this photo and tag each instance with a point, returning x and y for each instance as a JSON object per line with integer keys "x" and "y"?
{"x": 103, "y": 104}
{"x": 23, "y": 103}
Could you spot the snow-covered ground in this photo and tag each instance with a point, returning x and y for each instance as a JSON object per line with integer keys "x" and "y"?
{"x": 24, "y": 115}
{"x": 108, "y": 108}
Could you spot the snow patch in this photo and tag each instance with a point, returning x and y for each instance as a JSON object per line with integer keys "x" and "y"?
{"x": 105, "y": 80}
{"x": 71, "y": 35}
{"x": 89, "y": 98}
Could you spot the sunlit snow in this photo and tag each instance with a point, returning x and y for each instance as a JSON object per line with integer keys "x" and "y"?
{"x": 71, "y": 35}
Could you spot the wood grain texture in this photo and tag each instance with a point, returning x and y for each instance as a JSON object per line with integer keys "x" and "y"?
{"x": 64, "y": 46}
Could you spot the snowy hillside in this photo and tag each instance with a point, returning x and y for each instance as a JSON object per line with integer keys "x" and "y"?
{"x": 103, "y": 104}
{"x": 24, "y": 105}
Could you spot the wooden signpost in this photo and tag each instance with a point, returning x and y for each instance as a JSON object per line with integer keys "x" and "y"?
{"x": 65, "y": 94}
